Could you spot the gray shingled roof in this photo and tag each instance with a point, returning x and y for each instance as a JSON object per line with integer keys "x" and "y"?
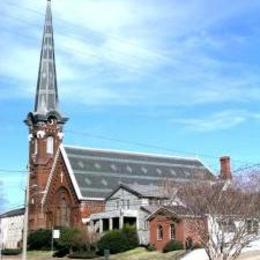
{"x": 99, "y": 172}
{"x": 150, "y": 209}
{"x": 148, "y": 191}
{"x": 12, "y": 213}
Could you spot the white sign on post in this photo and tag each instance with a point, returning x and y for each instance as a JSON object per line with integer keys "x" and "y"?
{"x": 56, "y": 233}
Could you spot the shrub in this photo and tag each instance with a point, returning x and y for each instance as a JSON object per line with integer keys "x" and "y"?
{"x": 172, "y": 245}
{"x": 118, "y": 240}
{"x": 40, "y": 240}
{"x": 11, "y": 251}
{"x": 114, "y": 240}
{"x": 71, "y": 240}
{"x": 132, "y": 239}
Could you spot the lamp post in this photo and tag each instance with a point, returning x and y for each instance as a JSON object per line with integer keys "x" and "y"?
{"x": 25, "y": 222}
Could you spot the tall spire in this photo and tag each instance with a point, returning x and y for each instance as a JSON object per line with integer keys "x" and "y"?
{"x": 46, "y": 99}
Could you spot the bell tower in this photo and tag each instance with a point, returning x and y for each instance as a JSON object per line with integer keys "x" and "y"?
{"x": 45, "y": 125}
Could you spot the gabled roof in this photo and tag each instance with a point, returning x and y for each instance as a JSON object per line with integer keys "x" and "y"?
{"x": 141, "y": 191}
{"x": 150, "y": 209}
{"x": 13, "y": 213}
{"x": 174, "y": 211}
{"x": 98, "y": 172}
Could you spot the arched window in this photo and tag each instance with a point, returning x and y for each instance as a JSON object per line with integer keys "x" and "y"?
{"x": 172, "y": 232}
{"x": 159, "y": 232}
{"x": 62, "y": 212}
{"x": 35, "y": 146}
{"x": 50, "y": 144}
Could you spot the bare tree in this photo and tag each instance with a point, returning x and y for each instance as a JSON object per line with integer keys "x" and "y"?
{"x": 231, "y": 210}
{"x": 90, "y": 239}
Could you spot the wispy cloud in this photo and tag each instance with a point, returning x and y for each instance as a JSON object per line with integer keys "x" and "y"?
{"x": 120, "y": 53}
{"x": 218, "y": 121}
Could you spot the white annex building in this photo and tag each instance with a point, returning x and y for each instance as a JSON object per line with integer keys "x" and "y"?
{"x": 129, "y": 204}
{"x": 11, "y": 228}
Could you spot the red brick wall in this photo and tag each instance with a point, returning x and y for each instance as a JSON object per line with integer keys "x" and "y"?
{"x": 47, "y": 218}
{"x": 40, "y": 168}
{"x": 184, "y": 229}
{"x": 79, "y": 209}
{"x": 41, "y": 164}
{"x": 91, "y": 207}
{"x": 165, "y": 222}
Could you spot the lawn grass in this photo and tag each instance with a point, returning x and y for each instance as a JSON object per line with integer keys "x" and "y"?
{"x": 139, "y": 253}
{"x": 39, "y": 255}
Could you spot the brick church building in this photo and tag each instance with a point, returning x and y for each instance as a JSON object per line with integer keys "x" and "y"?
{"x": 67, "y": 184}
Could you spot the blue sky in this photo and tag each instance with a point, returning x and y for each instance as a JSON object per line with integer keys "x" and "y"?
{"x": 182, "y": 77}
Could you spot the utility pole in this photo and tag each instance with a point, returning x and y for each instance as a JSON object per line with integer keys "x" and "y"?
{"x": 25, "y": 222}
{"x": 1, "y": 238}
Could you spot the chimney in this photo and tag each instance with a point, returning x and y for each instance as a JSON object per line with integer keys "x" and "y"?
{"x": 225, "y": 168}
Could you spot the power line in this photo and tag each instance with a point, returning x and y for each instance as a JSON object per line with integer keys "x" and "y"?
{"x": 247, "y": 164}
{"x": 110, "y": 138}
{"x": 140, "y": 144}
{"x": 131, "y": 66}
{"x": 101, "y": 59}
{"x": 76, "y": 25}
